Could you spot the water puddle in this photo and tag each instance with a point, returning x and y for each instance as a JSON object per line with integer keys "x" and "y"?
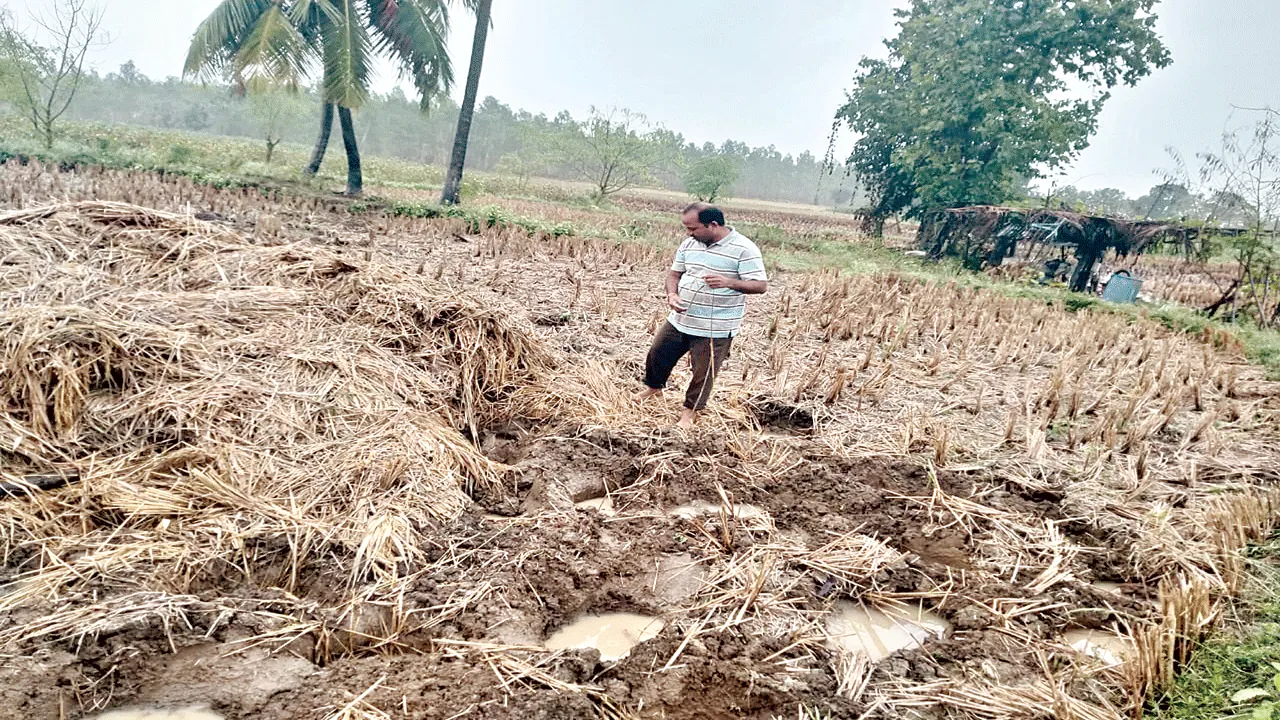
{"x": 613, "y": 634}
{"x": 192, "y": 713}
{"x": 877, "y": 633}
{"x": 602, "y": 505}
{"x": 701, "y": 508}
{"x": 1101, "y": 645}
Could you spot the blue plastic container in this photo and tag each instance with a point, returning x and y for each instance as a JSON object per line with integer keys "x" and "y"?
{"x": 1122, "y": 289}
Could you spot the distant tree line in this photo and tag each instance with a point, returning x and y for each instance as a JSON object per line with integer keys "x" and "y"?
{"x": 503, "y": 139}
{"x": 1170, "y": 200}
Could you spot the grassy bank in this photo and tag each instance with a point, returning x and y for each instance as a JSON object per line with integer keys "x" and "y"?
{"x": 1236, "y": 673}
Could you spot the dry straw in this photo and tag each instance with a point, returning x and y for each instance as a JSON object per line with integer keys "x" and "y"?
{"x": 212, "y": 401}
{"x": 219, "y": 406}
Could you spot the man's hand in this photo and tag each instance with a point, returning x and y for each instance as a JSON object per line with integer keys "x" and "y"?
{"x": 717, "y": 282}
{"x": 675, "y": 303}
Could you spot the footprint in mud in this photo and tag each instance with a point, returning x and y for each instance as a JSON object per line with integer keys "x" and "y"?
{"x": 198, "y": 712}
{"x": 613, "y": 634}
{"x": 878, "y": 633}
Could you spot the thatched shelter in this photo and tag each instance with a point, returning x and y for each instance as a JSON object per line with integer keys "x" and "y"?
{"x": 985, "y": 235}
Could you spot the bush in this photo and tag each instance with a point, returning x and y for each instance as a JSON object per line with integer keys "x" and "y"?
{"x": 180, "y": 154}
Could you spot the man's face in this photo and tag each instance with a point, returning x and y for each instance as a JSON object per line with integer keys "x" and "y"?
{"x": 697, "y": 231}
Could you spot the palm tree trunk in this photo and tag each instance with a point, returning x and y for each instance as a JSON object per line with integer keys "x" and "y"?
{"x": 453, "y": 183}
{"x": 355, "y": 183}
{"x": 322, "y": 143}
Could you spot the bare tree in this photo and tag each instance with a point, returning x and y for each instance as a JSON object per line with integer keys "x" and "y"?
{"x": 48, "y": 76}
{"x": 1245, "y": 178}
{"x": 612, "y": 150}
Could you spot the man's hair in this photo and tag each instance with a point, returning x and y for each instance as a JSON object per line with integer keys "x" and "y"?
{"x": 707, "y": 214}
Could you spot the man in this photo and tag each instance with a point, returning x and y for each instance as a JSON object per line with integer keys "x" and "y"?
{"x": 715, "y": 268}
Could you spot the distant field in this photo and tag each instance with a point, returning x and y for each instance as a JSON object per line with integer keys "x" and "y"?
{"x": 795, "y": 236}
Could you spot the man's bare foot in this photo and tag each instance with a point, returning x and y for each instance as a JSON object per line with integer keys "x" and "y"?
{"x": 687, "y": 417}
{"x": 646, "y": 393}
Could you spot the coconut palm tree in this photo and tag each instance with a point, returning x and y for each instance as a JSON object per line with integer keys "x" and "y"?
{"x": 453, "y": 181}
{"x": 261, "y": 43}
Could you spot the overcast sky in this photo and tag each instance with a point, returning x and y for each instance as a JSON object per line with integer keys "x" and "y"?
{"x": 773, "y": 72}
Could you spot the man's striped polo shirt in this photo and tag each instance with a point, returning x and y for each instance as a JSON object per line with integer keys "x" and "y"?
{"x": 714, "y": 312}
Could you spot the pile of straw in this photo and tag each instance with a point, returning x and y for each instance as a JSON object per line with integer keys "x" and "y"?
{"x": 170, "y": 372}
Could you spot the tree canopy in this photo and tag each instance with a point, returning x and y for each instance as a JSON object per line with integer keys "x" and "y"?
{"x": 708, "y": 178}
{"x": 281, "y": 41}
{"x": 974, "y": 96}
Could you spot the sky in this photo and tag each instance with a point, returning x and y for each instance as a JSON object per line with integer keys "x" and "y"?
{"x": 773, "y": 72}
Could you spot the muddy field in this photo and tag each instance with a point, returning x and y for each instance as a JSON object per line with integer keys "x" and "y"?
{"x": 323, "y": 466}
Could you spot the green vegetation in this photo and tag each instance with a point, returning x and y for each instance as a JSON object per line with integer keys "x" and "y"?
{"x": 710, "y": 178}
{"x": 1236, "y": 673}
{"x": 612, "y": 150}
{"x": 41, "y": 75}
{"x": 971, "y": 101}
{"x": 264, "y": 45}
{"x": 392, "y": 125}
{"x": 215, "y": 160}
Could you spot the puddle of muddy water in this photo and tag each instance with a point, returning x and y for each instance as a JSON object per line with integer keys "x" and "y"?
{"x": 613, "y": 634}
{"x": 191, "y": 713}
{"x": 1110, "y": 649}
{"x": 602, "y": 505}
{"x": 699, "y": 508}
{"x": 878, "y": 633}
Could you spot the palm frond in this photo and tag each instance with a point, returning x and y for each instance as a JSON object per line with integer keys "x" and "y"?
{"x": 415, "y": 34}
{"x": 346, "y": 55}
{"x": 471, "y": 5}
{"x": 312, "y": 13}
{"x": 217, "y": 38}
{"x": 274, "y": 53}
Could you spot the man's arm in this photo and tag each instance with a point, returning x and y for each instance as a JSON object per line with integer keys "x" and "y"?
{"x": 746, "y": 287}
{"x": 751, "y": 280}
{"x": 673, "y": 291}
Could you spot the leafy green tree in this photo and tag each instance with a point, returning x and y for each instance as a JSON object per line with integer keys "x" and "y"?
{"x": 261, "y": 43}
{"x": 276, "y": 109}
{"x": 43, "y": 78}
{"x": 971, "y": 99}
{"x": 709, "y": 178}
{"x": 1166, "y": 201}
{"x": 1104, "y": 201}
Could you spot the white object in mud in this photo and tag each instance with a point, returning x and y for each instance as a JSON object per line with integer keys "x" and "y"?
{"x": 613, "y": 634}
{"x": 198, "y": 712}
{"x": 1111, "y": 649}
{"x": 602, "y": 505}
{"x": 878, "y": 633}
{"x": 702, "y": 507}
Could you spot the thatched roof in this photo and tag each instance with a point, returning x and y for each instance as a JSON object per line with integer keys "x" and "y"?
{"x": 1134, "y": 235}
